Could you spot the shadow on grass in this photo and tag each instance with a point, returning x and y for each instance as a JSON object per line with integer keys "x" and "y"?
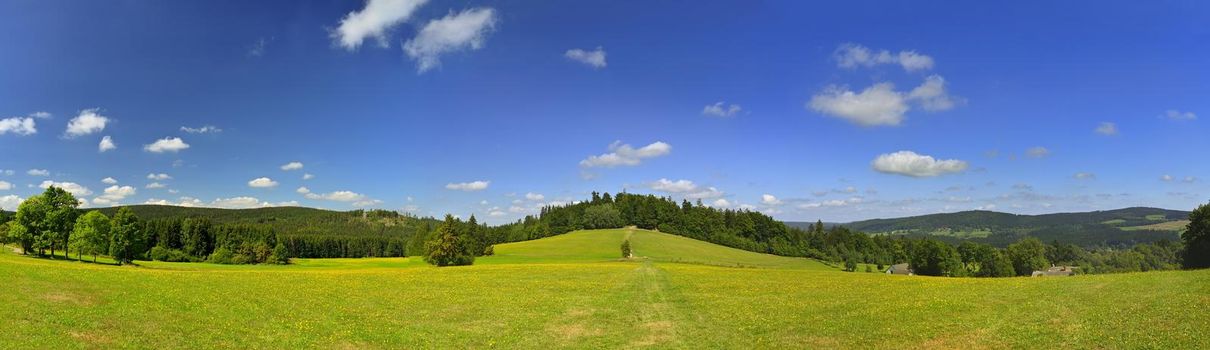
{"x": 60, "y": 257}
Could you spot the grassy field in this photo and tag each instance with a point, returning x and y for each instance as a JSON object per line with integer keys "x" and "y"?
{"x": 1177, "y": 225}
{"x": 572, "y": 291}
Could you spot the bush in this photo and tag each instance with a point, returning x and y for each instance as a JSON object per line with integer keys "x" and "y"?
{"x": 166, "y": 254}
{"x": 489, "y": 251}
{"x": 221, "y": 256}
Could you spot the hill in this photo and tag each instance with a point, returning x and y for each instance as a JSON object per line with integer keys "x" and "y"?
{"x": 1111, "y": 227}
{"x": 572, "y": 291}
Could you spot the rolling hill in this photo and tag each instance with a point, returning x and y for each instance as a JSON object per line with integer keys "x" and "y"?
{"x": 573, "y": 291}
{"x": 1110, "y": 227}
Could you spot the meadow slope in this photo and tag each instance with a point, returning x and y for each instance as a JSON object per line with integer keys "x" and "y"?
{"x": 572, "y": 291}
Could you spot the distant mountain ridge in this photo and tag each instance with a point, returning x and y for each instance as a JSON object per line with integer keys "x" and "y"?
{"x": 1118, "y": 226}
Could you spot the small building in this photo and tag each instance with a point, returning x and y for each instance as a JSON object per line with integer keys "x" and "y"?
{"x": 900, "y": 269}
{"x": 1054, "y": 271}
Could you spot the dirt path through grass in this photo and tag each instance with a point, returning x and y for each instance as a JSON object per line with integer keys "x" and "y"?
{"x": 658, "y": 314}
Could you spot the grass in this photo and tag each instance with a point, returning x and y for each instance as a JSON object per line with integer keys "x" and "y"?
{"x": 1177, "y": 225}
{"x": 573, "y": 291}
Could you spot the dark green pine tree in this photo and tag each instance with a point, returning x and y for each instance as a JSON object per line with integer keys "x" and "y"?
{"x": 447, "y": 247}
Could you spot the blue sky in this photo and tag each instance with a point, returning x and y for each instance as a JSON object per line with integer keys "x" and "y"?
{"x": 838, "y": 111}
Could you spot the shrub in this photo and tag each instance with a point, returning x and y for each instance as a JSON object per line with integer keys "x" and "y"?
{"x": 626, "y": 253}
{"x": 166, "y": 254}
{"x": 489, "y": 251}
{"x": 221, "y": 255}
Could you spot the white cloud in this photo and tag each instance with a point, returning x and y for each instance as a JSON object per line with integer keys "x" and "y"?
{"x": 1037, "y": 152}
{"x": 468, "y": 186}
{"x": 338, "y": 196}
{"x": 1107, "y": 129}
{"x": 1166, "y": 178}
{"x": 768, "y": 199}
{"x": 5, "y": 186}
{"x": 909, "y": 163}
{"x": 154, "y": 186}
{"x": 115, "y": 193}
{"x": 1189, "y": 179}
{"x": 308, "y": 176}
{"x": 877, "y": 105}
{"x": 292, "y": 166}
{"x": 720, "y": 203}
{"x": 594, "y": 59}
{"x": 89, "y": 121}
{"x": 109, "y": 181}
{"x": 303, "y": 190}
{"x": 238, "y": 203}
{"x": 1084, "y": 176}
{"x": 466, "y": 30}
{"x": 851, "y": 55}
{"x": 204, "y": 129}
{"x": 18, "y": 126}
{"x": 747, "y": 207}
{"x": 534, "y": 196}
{"x": 7, "y": 172}
{"x": 40, "y": 115}
{"x": 1170, "y": 114}
{"x": 38, "y": 172}
{"x": 366, "y": 203}
{"x": 159, "y": 177}
{"x": 623, "y": 154}
{"x": 106, "y": 144}
{"x": 10, "y": 202}
{"x": 167, "y": 144}
{"x": 262, "y": 182}
{"x": 495, "y": 212}
{"x": 685, "y": 188}
{"x": 374, "y": 21}
{"x": 72, "y": 187}
{"x": 931, "y": 95}
{"x": 722, "y": 110}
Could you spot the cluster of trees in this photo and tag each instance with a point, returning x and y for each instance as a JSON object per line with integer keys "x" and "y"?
{"x": 453, "y": 243}
{"x": 50, "y": 222}
{"x": 198, "y": 239}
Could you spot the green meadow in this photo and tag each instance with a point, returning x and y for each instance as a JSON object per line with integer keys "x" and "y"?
{"x": 574, "y": 291}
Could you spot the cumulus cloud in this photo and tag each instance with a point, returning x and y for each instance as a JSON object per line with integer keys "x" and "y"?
{"x": 624, "y": 155}
{"x": 685, "y": 188}
{"x": 10, "y": 202}
{"x": 106, "y": 144}
{"x": 238, "y": 203}
{"x": 303, "y": 190}
{"x": 468, "y": 186}
{"x": 534, "y": 196}
{"x": 373, "y": 21}
{"x": 1178, "y": 115}
{"x": 1037, "y": 152}
{"x": 308, "y": 176}
{"x": 72, "y": 187}
{"x": 159, "y": 177}
{"x": 911, "y": 164}
{"x": 877, "y": 105}
{"x": 722, "y": 110}
{"x": 594, "y": 59}
{"x": 880, "y": 104}
{"x": 109, "y": 181}
{"x": 1107, "y": 129}
{"x": 89, "y": 121}
{"x": 38, "y": 172}
{"x": 466, "y": 30}
{"x": 851, "y": 55}
{"x": 115, "y": 193}
{"x": 262, "y": 182}
{"x": 18, "y": 126}
{"x": 154, "y": 186}
{"x": 768, "y": 199}
{"x": 366, "y": 203}
{"x": 292, "y": 166}
{"x": 5, "y": 186}
{"x": 167, "y": 144}
{"x": 1084, "y": 176}
{"x": 338, "y": 196}
{"x": 204, "y": 129}
{"x": 931, "y": 95}
{"x": 1166, "y": 178}
{"x": 721, "y": 203}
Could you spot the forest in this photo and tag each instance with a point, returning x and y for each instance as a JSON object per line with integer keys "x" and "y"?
{"x": 51, "y": 221}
